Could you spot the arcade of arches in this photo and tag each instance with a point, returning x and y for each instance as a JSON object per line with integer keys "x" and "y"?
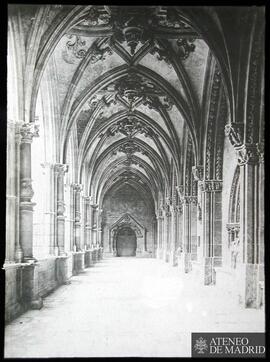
{"x": 134, "y": 131}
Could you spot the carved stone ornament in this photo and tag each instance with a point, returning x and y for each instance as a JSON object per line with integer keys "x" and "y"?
{"x": 180, "y": 190}
{"x": 128, "y": 220}
{"x": 26, "y": 190}
{"x": 75, "y": 48}
{"x": 197, "y": 172}
{"x": 28, "y": 131}
{"x": 60, "y": 207}
{"x": 190, "y": 199}
{"x": 129, "y": 148}
{"x": 210, "y": 186}
{"x": 233, "y": 227}
{"x": 235, "y": 132}
{"x": 186, "y": 47}
{"x": 77, "y": 187}
{"x": 260, "y": 148}
{"x": 61, "y": 168}
{"x": 129, "y": 127}
{"x": 132, "y": 26}
{"x": 134, "y": 88}
{"x": 247, "y": 154}
{"x": 160, "y": 52}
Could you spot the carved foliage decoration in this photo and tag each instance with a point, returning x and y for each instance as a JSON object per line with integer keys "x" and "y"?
{"x": 134, "y": 87}
{"x": 211, "y": 126}
{"x": 129, "y": 127}
{"x": 28, "y": 131}
{"x": 185, "y": 47}
{"x": 76, "y": 49}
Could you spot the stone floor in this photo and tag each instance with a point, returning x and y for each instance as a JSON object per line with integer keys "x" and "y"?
{"x": 127, "y": 307}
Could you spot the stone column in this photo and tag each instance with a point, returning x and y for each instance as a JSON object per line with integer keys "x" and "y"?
{"x": 87, "y": 234}
{"x": 165, "y": 243}
{"x": 79, "y": 254}
{"x": 94, "y": 224}
{"x": 77, "y": 225}
{"x": 30, "y": 294}
{"x": 251, "y": 261}
{"x": 28, "y": 131}
{"x": 212, "y": 227}
{"x": 251, "y": 222}
{"x": 173, "y": 260}
{"x": 87, "y": 231}
{"x": 60, "y": 170}
{"x": 186, "y": 234}
{"x": 18, "y": 247}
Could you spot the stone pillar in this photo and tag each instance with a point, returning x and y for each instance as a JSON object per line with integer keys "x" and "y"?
{"x": 251, "y": 268}
{"x": 87, "y": 233}
{"x": 173, "y": 260}
{"x": 251, "y": 222}
{"x": 28, "y": 131}
{"x": 77, "y": 225}
{"x": 94, "y": 224}
{"x": 60, "y": 170}
{"x": 166, "y": 225}
{"x": 18, "y": 247}
{"x": 187, "y": 234}
{"x": 78, "y": 264}
{"x": 211, "y": 199}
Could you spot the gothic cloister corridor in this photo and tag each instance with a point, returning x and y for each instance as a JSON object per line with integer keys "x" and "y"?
{"x": 127, "y": 307}
{"x": 135, "y": 178}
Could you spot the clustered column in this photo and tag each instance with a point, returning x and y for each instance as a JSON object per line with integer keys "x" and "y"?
{"x": 60, "y": 170}
{"x": 251, "y": 222}
{"x": 87, "y": 234}
{"x": 77, "y": 225}
{"x": 28, "y": 131}
{"x": 211, "y": 198}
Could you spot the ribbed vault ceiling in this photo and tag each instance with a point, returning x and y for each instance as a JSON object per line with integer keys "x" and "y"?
{"x": 130, "y": 84}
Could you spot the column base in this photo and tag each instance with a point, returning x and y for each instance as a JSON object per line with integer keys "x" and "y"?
{"x": 254, "y": 285}
{"x": 173, "y": 258}
{"x": 78, "y": 262}
{"x": 87, "y": 259}
{"x": 209, "y": 271}
{"x": 63, "y": 269}
{"x": 187, "y": 262}
{"x": 30, "y": 295}
{"x": 36, "y": 304}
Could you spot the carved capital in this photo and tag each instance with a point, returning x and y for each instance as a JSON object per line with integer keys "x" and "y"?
{"x": 235, "y": 132}
{"x": 197, "y": 172}
{"x": 28, "y": 131}
{"x": 248, "y": 154}
{"x": 60, "y": 207}
{"x": 190, "y": 200}
{"x": 77, "y": 187}
{"x": 180, "y": 190}
{"x": 233, "y": 227}
{"x": 210, "y": 185}
{"x": 60, "y": 168}
{"x": 179, "y": 208}
{"x": 26, "y": 189}
{"x": 260, "y": 148}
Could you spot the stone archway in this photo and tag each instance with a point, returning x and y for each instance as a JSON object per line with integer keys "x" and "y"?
{"x": 126, "y": 242}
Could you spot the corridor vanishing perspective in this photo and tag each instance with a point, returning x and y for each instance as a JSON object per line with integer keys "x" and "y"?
{"x": 135, "y": 178}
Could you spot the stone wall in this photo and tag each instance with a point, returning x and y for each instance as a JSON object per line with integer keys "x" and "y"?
{"x": 127, "y": 200}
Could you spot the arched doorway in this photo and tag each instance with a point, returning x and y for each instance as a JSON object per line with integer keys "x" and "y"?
{"x": 126, "y": 242}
